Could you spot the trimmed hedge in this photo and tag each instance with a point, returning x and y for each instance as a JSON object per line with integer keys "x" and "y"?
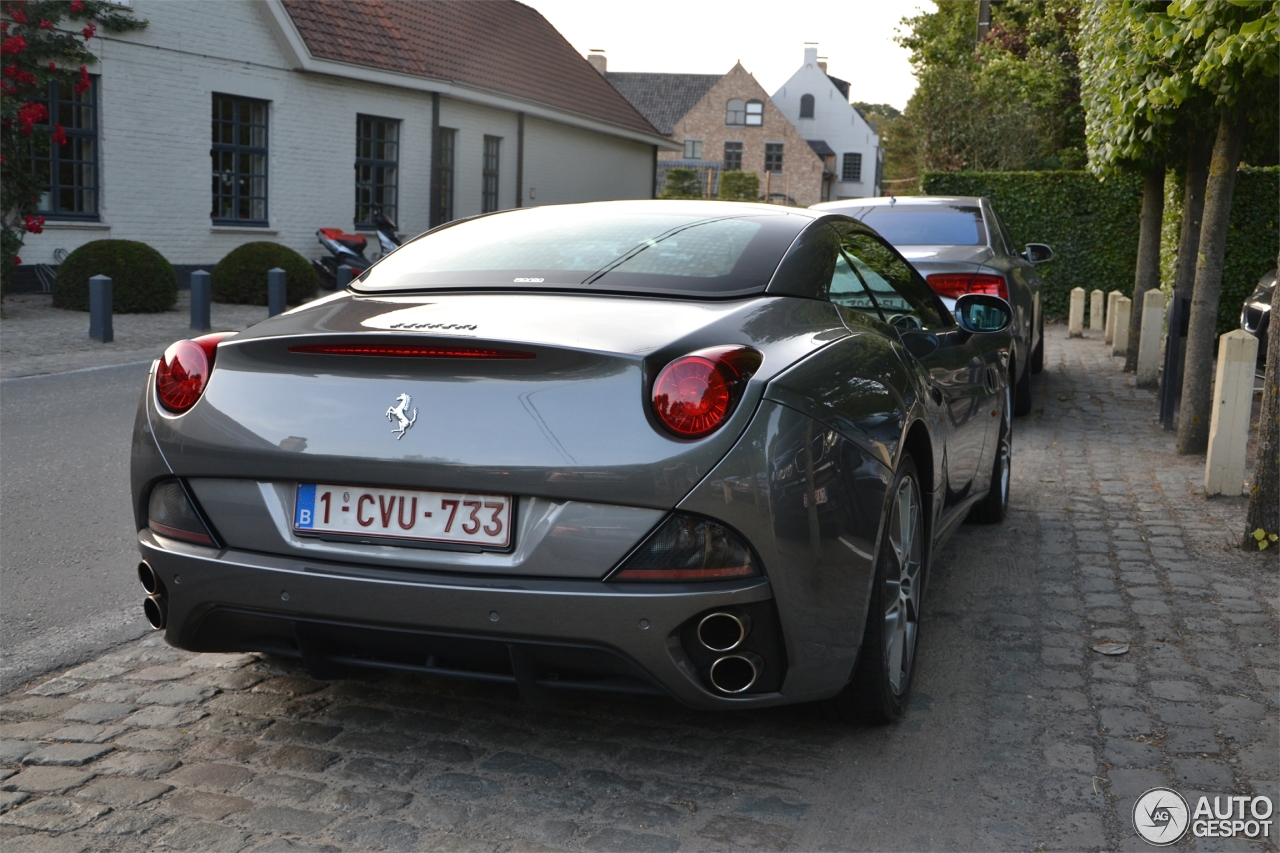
{"x": 1091, "y": 225}
{"x": 241, "y": 277}
{"x": 142, "y": 281}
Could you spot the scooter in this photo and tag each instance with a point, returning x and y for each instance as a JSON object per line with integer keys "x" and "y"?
{"x": 348, "y": 249}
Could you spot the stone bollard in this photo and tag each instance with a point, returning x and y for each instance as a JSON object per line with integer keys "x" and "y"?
{"x": 344, "y": 277}
{"x": 1075, "y": 319}
{"x": 1120, "y": 326}
{"x": 100, "y": 309}
{"x": 1229, "y": 423}
{"x": 275, "y": 291}
{"x": 201, "y": 296}
{"x": 1096, "y": 321}
{"x": 1110, "y": 333}
{"x": 1149, "y": 343}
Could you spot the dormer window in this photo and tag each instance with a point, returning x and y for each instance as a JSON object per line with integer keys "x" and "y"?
{"x": 735, "y": 112}
{"x": 806, "y": 106}
{"x": 755, "y": 113}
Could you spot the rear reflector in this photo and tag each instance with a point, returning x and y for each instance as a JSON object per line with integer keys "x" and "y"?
{"x": 956, "y": 284}
{"x": 409, "y": 351}
{"x": 170, "y": 513}
{"x": 686, "y": 548}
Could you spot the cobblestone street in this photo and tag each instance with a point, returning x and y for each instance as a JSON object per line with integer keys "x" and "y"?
{"x": 1019, "y": 735}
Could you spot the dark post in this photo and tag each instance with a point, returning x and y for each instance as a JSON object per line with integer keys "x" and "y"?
{"x": 100, "y": 309}
{"x": 201, "y": 294}
{"x": 1175, "y": 347}
{"x": 275, "y": 291}
{"x": 344, "y": 277}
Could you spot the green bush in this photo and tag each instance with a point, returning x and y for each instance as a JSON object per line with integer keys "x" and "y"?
{"x": 241, "y": 277}
{"x": 682, "y": 183}
{"x": 142, "y": 281}
{"x": 737, "y": 185}
{"x": 1092, "y": 225}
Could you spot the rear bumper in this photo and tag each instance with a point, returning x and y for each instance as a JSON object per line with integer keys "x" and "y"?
{"x": 334, "y": 615}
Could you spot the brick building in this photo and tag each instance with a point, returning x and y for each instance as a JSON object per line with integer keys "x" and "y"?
{"x": 726, "y": 123}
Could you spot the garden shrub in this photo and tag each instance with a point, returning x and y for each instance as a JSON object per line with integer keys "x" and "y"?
{"x": 241, "y": 277}
{"x": 682, "y": 183}
{"x": 142, "y": 281}
{"x": 737, "y": 185}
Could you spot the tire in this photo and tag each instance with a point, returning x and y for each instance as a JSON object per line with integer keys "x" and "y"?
{"x": 881, "y": 683}
{"x": 1022, "y": 394}
{"x": 1037, "y": 354}
{"x": 995, "y": 505}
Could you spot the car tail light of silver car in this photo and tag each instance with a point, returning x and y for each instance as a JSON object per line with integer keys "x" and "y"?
{"x": 686, "y": 548}
{"x": 171, "y": 513}
{"x": 694, "y": 394}
{"x": 183, "y": 371}
{"x": 955, "y": 284}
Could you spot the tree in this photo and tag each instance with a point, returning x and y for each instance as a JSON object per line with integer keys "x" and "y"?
{"x": 1263, "y": 520}
{"x": 682, "y": 183}
{"x": 36, "y": 53}
{"x": 737, "y": 185}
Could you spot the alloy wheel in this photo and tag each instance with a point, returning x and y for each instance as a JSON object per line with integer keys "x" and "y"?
{"x": 902, "y": 585}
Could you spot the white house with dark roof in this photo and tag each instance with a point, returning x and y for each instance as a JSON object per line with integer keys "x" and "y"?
{"x": 432, "y": 110}
{"x": 818, "y": 105}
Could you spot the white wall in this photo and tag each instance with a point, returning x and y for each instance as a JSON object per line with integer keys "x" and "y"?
{"x": 155, "y": 104}
{"x": 835, "y": 121}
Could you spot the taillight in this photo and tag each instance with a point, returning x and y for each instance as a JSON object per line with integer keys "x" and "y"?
{"x": 687, "y": 548}
{"x": 184, "y": 370}
{"x": 411, "y": 351}
{"x": 170, "y": 513}
{"x": 955, "y": 284}
{"x": 694, "y": 394}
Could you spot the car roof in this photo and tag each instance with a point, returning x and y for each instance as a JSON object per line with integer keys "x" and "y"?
{"x": 906, "y": 200}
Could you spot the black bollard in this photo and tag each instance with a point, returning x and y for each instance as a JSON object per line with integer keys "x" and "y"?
{"x": 344, "y": 277}
{"x": 275, "y": 291}
{"x": 100, "y": 309}
{"x": 1175, "y": 344}
{"x": 201, "y": 295}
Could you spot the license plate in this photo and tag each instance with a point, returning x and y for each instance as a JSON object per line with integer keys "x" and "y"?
{"x": 456, "y": 517}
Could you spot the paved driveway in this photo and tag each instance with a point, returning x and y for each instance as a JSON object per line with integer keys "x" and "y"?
{"x": 1019, "y": 737}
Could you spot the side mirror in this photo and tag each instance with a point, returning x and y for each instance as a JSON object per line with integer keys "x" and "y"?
{"x": 983, "y": 314}
{"x": 1038, "y": 253}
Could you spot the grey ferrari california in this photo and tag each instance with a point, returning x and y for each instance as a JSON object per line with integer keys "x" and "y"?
{"x": 702, "y": 449}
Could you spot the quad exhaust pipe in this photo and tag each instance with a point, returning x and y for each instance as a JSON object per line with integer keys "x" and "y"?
{"x": 736, "y": 673}
{"x": 724, "y": 630}
{"x": 156, "y": 605}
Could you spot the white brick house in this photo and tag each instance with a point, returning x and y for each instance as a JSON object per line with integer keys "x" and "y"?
{"x": 818, "y": 105}
{"x": 517, "y": 116}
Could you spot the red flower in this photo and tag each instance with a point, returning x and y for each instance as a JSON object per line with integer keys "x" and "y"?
{"x": 13, "y": 45}
{"x": 89, "y": 30}
{"x": 34, "y": 224}
{"x": 46, "y": 24}
{"x": 29, "y": 114}
{"x": 17, "y": 260}
{"x": 82, "y": 85}
{"x": 53, "y": 66}
{"x": 59, "y": 135}
{"x": 76, "y": 7}
{"x": 19, "y": 16}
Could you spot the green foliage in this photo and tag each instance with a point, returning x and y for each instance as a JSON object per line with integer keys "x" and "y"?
{"x": 1009, "y": 102}
{"x": 43, "y": 42}
{"x": 682, "y": 183}
{"x": 241, "y": 277}
{"x": 1092, "y": 225}
{"x": 142, "y": 281}
{"x": 737, "y": 185}
{"x": 885, "y": 110}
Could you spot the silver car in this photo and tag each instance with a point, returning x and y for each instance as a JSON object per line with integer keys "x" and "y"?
{"x": 960, "y": 245}
{"x": 694, "y": 448}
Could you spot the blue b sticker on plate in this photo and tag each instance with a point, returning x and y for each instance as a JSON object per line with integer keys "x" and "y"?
{"x": 304, "y": 512}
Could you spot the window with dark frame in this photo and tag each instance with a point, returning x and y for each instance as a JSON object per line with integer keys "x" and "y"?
{"x": 73, "y": 167}
{"x": 377, "y": 168}
{"x": 806, "y": 106}
{"x": 732, "y": 156}
{"x": 492, "y": 149}
{"x": 447, "y": 137}
{"x": 755, "y": 113}
{"x": 735, "y": 112}
{"x": 851, "y": 168}
{"x": 239, "y": 161}
{"x": 773, "y": 156}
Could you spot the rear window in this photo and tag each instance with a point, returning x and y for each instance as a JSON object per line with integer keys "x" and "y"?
{"x": 935, "y": 225}
{"x": 593, "y": 247}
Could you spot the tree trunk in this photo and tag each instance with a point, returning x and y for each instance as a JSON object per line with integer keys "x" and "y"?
{"x": 1147, "y": 274}
{"x": 1193, "y": 415}
{"x": 1264, "y": 497}
{"x": 1184, "y": 276}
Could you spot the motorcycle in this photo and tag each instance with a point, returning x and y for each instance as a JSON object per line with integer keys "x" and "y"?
{"x": 348, "y": 249}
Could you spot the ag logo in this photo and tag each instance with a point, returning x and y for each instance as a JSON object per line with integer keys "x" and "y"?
{"x": 1161, "y": 816}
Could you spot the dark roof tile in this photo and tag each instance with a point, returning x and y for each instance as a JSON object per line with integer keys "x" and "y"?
{"x": 662, "y": 98}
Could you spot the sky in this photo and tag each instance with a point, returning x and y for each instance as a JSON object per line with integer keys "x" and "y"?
{"x": 768, "y": 36}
